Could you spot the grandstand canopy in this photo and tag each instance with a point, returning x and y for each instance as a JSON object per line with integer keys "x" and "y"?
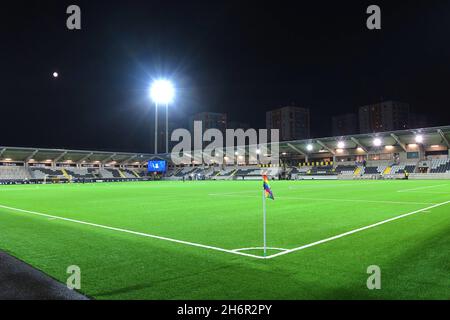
{"x": 432, "y": 137}
{"x": 76, "y": 156}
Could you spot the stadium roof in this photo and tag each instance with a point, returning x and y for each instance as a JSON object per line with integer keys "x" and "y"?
{"x": 75, "y": 156}
{"x": 401, "y": 138}
{"x": 324, "y": 146}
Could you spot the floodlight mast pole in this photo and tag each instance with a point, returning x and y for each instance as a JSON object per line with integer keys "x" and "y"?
{"x": 156, "y": 128}
{"x": 167, "y": 128}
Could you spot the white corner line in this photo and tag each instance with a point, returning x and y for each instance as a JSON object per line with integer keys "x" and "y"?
{"x": 193, "y": 244}
{"x": 259, "y": 248}
{"x": 355, "y": 230}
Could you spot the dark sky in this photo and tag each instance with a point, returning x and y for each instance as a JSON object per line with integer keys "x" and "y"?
{"x": 238, "y": 57}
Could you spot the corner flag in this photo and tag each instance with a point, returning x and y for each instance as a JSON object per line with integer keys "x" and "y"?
{"x": 267, "y": 193}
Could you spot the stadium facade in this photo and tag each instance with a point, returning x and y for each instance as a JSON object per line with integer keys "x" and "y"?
{"x": 414, "y": 154}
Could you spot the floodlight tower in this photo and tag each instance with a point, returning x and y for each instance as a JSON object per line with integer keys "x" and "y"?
{"x": 162, "y": 92}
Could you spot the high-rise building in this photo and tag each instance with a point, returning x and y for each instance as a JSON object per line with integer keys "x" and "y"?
{"x": 293, "y": 122}
{"x": 384, "y": 116}
{"x": 210, "y": 120}
{"x": 345, "y": 124}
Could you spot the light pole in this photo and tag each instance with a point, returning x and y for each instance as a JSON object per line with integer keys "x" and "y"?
{"x": 162, "y": 92}
{"x": 156, "y": 128}
{"x": 167, "y": 128}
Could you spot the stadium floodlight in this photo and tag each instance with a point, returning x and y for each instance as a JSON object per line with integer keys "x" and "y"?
{"x": 377, "y": 142}
{"x": 309, "y": 147}
{"x": 341, "y": 144}
{"x": 419, "y": 138}
{"x": 162, "y": 92}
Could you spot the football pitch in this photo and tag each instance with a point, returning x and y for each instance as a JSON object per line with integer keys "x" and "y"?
{"x": 202, "y": 240}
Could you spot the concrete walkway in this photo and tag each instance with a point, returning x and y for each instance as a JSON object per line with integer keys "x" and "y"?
{"x": 20, "y": 281}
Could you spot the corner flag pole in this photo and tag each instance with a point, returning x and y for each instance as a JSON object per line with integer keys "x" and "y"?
{"x": 264, "y": 223}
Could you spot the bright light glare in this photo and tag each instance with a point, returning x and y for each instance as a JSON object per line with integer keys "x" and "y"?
{"x": 55, "y": 74}
{"x": 341, "y": 144}
{"x": 377, "y": 142}
{"x": 419, "y": 138}
{"x": 309, "y": 147}
{"x": 162, "y": 92}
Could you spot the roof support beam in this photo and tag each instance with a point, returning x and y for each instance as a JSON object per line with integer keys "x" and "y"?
{"x": 326, "y": 147}
{"x": 85, "y": 157}
{"x": 2, "y": 151}
{"x": 111, "y": 157}
{"x": 31, "y": 155}
{"x": 444, "y": 138}
{"x": 60, "y": 156}
{"x": 297, "y": 150}
{"x": 359, "y": 144}
{"x": 129, "y": 159}
{"x": 400, "y": 143}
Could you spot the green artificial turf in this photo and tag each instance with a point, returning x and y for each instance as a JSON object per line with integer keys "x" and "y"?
{"x": 412, "y": 252}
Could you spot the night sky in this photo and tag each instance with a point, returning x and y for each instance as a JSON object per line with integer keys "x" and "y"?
{"x": 238, "y": 57}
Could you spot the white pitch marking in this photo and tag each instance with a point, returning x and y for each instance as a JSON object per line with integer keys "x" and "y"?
{"x": 259, "y": 248}
{"x": 132, "y": 232}
{"x": 426, "y": 192}
{"x": 421, "y": 188}
{"x": 325, "y": 199}
{"x": 233, "y": 251}
{"x": 355, "y": 231}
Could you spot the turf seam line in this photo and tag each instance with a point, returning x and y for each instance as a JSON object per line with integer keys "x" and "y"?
{"x": 355, "y": 230}
{"x": 193, "y": 244}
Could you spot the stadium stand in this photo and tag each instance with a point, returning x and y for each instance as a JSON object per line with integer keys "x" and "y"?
{"x": 41, "y": 173}
{"x": 440, "y": 166}
{"x": 345, "y": 169}
{"x": 374, "y": 170}
{"x": 325, "y": 170}
{"x": 401, "y": 169}
{"x": 80, "y": 173}
{"x": 128, "y": 173}
{"x": 358, "y": 160}
{"x": 110, "y": 173}
{"x": 14, "y": 173}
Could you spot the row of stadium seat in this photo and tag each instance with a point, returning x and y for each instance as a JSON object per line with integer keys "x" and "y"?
{"x": 14, "y": 173}
{"x": 440, "y": 166}
{"x": 40, "y": 173}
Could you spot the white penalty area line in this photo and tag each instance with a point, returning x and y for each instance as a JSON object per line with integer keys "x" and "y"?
{"x": 356, "y": 230}
{"x": 193, "y": 244}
